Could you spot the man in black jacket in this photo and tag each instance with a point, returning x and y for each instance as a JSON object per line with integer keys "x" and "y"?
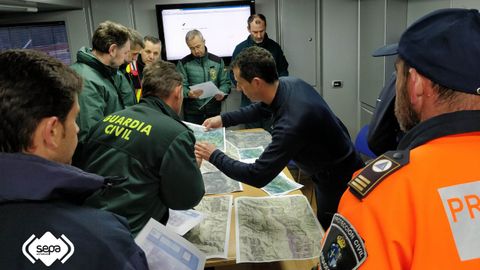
{"x": 384, "y": 131}
{"x": 304, "y": 130}
{"x": 40, "y": 194}
{"x": 257, "y": 25}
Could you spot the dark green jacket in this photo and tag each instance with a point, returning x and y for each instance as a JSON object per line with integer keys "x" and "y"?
{"x": 105, "y": 90}
{"x": 151, "y": 146}
{"x": 198, "y": 70}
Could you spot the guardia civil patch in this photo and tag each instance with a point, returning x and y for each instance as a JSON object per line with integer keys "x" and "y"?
{"x": 213, "y": 74}
{"x": 343, "y": 248}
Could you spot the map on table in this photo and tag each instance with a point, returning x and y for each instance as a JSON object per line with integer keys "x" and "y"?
{"x": 211, "y": 236}
{"x": 207, "y": 167}
{"x": 276, "y": 229}
{"x": 281, "y": 185}
{"x": 248, "y": 139}
{"x": 218, "y": 183}
{"x": 252, "y": 153}
{"x": 231, "y": 150}
{"x": 213, "y": 136}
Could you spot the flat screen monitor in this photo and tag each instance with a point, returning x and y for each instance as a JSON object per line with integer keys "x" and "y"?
{"x": 49, "y": 37}
{"x": 223, "y": 25}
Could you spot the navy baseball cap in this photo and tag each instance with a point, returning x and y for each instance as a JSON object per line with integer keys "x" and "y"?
{"x": 444, "y": 46}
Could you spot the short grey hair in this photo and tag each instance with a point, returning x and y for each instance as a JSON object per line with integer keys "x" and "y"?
{"x": 192, "y": 34}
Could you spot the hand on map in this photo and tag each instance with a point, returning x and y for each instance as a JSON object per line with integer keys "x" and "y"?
{"x": 213, "y": 122}
{"x": 204, "y": 150}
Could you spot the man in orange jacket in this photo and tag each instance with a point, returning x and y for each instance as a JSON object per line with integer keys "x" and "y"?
{"x": 419, "y": 207}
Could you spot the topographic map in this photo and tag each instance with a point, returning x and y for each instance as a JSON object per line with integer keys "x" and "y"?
{"x": 250, "y": 153}
{"x": 248, "y": 139}
{"x": 213, "y": 136}
{"x": 281, "y": 185}
{"x": 232, "y": 151}
{"x": 276, "y": 229}
{"x": 211, "y": 236}
{"x": 217, "y": 183}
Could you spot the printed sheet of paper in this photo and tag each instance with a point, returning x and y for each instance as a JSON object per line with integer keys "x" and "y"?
{"x": 212, "y": 235}
{"x": 249, "y": 155}
{"x": 167, "y": 250}
{"x": 218, "y": 183}
{"x": 208, "y": 167}
{"x": 181, "y": 222}
{"x": 209, "y": 89}
{"x": 281, "y": 185}
{"x": 276, "y": 229}
{"x": 213, "y": 136}
{"x": 231, "y": 150}
{"x": 248, "y": 139}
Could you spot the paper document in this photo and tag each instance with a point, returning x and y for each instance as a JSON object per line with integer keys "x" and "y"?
{"x": 212, "y": 235}
{"x": 218, "y": 183}
{"x": 181, "y": 222}
{"x": 250, "y": 155}
{"x": 248, "y": 139}
{"x": 276, "y": 229}
{"x": 209, "y": 89}
{"x": 213, "y": 136}
{"x": 281, "y": 185}
{"x": 167, "y": 250}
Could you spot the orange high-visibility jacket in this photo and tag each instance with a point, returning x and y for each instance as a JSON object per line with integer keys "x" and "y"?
{"x": 426, "y": 214}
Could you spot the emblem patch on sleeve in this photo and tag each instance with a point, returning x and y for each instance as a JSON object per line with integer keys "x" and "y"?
{"x": 376, "y": 171}
{"x": 343, "y": 248}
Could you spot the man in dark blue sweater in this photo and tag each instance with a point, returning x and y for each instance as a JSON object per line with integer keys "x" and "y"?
{"x": 304, "y": 130}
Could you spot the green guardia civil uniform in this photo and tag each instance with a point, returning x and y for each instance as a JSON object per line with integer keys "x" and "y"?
{"x": 105, "y": 90}
{"x": 197, "y": 70}
{"x": 148, "y": 144}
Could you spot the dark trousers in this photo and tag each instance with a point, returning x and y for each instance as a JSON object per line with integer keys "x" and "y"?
{"x": 330, "y": 184}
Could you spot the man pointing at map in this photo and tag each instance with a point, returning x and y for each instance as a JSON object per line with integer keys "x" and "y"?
{"x": 304, "y": 129}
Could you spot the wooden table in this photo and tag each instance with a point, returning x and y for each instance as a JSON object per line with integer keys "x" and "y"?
{"x": 230, "y": 262}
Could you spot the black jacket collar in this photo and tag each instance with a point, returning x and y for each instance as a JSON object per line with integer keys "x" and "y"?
{"x": 441, "y": 126}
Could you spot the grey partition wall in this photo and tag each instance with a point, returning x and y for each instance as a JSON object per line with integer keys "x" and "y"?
{"x": 381, "y": 22}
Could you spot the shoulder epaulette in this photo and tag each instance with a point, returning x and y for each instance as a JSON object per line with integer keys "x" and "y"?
{"x": 214, "y": 58}
{"x": 187, "y": 59}
{"x": 376, "y": 171}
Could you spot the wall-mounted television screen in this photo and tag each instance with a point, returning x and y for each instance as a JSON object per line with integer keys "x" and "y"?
{"x": 49, "y": 37}
{"x": 223, "y": 25}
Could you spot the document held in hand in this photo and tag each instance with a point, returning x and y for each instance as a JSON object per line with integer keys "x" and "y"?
{"x": 209, "y": 89}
